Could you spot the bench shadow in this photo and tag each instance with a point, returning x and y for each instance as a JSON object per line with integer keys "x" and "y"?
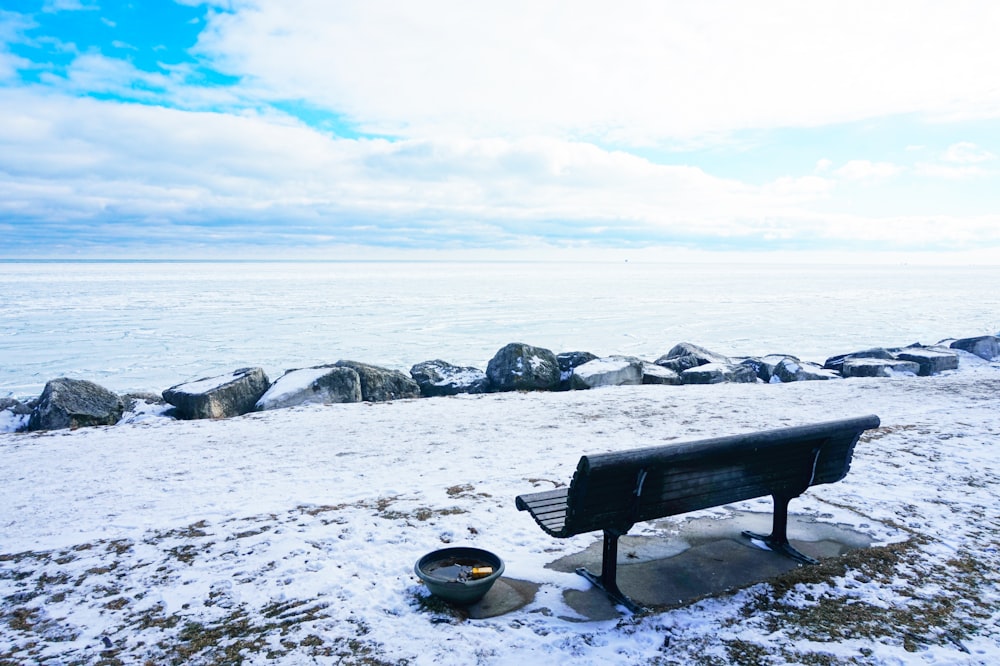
{"x": 699, "y": 558}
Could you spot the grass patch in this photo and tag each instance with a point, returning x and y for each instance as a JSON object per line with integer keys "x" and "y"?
{"x": 925, "y": 603}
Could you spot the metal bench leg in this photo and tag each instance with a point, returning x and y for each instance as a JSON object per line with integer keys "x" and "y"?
{"x": 777, "y": 540}
{"x": 608, "y": 580}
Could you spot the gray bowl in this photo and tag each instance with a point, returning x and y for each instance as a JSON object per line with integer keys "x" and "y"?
{"x": 438, "y": 571}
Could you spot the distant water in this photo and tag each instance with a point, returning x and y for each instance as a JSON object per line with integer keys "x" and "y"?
{"x": 145, "y": 326}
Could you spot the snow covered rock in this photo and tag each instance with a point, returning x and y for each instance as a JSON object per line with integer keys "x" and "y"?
{"x": 317, "y": 385}
{"x": 75, "y": 403}
{"x": 836, "y": 363}
{"x": 140, "y": 407}
{"x": 568, "y": 361}
{"x": 765, "y": 366}
{"x": 219, "y": 397}
{"x": 718, "y": 373}
{"x": 612, "y": 371}
{"x": 791, "y": 369}
{"x": 685, "y": 355}
{"x": 381, "y": 384}
{"x": 986, "y": 347}
{"x": 657, "y": 374}
{"x": 878, "y": 367}
{"x": 521, "y": 367}
{"x": 931, "y": 360}
{"x": 14, "y": 415}
{"x": 439, "y": 377}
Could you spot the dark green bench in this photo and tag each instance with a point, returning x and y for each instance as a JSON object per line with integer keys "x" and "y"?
{"x": 613, "y": 491}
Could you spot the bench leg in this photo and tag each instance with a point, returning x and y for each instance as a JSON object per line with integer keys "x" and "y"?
{"x": 608, "y": 580}
{"x": 777, "y": 540}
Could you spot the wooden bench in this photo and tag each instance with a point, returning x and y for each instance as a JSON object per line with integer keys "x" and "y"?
{"x": 613, "y": 491}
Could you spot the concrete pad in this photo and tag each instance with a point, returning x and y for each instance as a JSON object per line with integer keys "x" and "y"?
{"x": 506, "y": 595}
{"x": 699, "y": 558}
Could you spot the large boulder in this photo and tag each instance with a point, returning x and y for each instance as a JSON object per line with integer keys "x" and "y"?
{"x": 836, "y": 363}
{"x": 764, "y": 366}
{"x": 521, "y": 367}
{"x": 219, "y": 397}
{"x": 657, "y": 374}
{"x": 986, "y": 346}
{"x": 323, "y": 384}
{"x": 791, "y": 369}
{"x": 436, "y": 378}
{"x": 718, "y": 373}
{"x": 612, "y": 371}
{"x": 381, "y": 384}
{"x": 75, "y": 403}
{"x": 878, "y": 367}
{"x": 931, "y": 360}
{"x": 685, "y": 355}
{"x": 568, "y": 361}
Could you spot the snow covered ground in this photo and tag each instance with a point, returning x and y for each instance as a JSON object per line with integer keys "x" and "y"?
{"x": 289, "y": 537}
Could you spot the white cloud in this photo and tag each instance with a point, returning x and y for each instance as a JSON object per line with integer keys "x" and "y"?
{"x": 80, "y": 159}
{"x": 966, "y": 152}
{"x": 867, "y": 170}
{"x": 632, "y": 73}
{"x": 69, "y": 5}
{"x": 951, "y": 171}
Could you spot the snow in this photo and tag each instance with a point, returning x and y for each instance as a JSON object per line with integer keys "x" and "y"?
{"x": 206, "y": 384}
{"x": 301, "y": 527}
{"x": 11, "y": 422}
{"x": 601, "y": 366}
{"x": 292, "y": 383}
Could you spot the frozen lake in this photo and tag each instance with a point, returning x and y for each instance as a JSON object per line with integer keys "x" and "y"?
{"x": 145, "y": 326}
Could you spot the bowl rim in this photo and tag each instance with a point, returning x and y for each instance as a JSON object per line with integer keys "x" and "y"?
{"x": 458, "y": 551}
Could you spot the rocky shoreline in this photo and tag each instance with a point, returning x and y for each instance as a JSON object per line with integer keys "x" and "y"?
{"x": 75, "y": 403}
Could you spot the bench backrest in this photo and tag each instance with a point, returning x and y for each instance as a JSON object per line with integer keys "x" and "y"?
{"x": 686, "y": 476}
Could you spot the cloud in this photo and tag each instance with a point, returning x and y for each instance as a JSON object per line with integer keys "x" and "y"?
{"x": 967, "y": 152}
{"x": 867, "y": 170}
{"x": 459, "y": 126}
{"x": 638, "y": 73}
{"x": 69, "y": 5}
{"x": 938, "y": 170}
{"x": 134, "y": 171}
{"x": 960, "y": 161}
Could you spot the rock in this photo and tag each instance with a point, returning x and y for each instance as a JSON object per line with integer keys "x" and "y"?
{"x": 612, "y": 371}
{"x": 568, "y": 361}
{"x": 764, "y": 366}
{"x": 985, "y": 347}
{"x": 657, "y": 374}
{"x": 686, "y": 355}
{"x": 835, "y": 363}
{"x": 438, "y": 377}
{"x": 14, "y": 415}
{"x": 708, "y": 373}
{"x": 743, "y": 374}
{"x": 381, "y": 384}
{"x": 521, "y": 367}
{"x": 75, "y": 403}
{"x": 931, "y": 360}
{"x": 219, "y": 397}
{"x": 142, "y": 407}
{"x": 877, "y": 367}
{"x": 325, "y": 384}
{"x": 791, "y": 369}
{"x": 132, "y": 400}
{"x": 14, "y": 407}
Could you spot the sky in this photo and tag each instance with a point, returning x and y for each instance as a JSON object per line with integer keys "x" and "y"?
{"x": 853, "y": 131}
